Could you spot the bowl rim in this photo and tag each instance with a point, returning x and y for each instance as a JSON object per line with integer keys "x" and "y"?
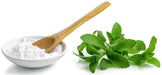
{"x": 51, "y": 57}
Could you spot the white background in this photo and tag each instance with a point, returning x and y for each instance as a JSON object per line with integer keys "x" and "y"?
{"x": 140, "y": 19}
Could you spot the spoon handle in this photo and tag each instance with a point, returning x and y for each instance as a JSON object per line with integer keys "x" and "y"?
{"x": 82, "y": 20}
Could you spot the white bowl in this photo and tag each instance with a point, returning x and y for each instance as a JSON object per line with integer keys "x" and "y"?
{"x": 31, "y": 63}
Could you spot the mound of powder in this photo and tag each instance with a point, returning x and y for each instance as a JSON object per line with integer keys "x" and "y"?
{"x": 25, "y": 50}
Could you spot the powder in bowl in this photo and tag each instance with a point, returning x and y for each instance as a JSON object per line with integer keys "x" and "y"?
{"x": 26, "y": 51}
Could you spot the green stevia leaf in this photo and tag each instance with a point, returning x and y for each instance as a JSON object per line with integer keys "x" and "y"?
{"x": 92, "y": 59}
{"x": 153, "y": 41}
{"x": 137, "y": 59}
{"x": 118, "y": 60}
{"x": 94, "y": 40}
{"x": 150, "y": 49}
{"x": 104, "y": 64}
{"x": 126, "y": 44}
{"x": 100, "y": 35}
{"x": 149, "y": 52}
{"x": 81, "y": 46}
{"x": 152, "y": 45}
{"x": 83, "y": 57}
{"x": 146, "y": 55}
{"x": 92, "y": 66}
{"x": 117, "y": 39}
{"x": 91, "y": 50}
{"x": 140, "y": 45}
{"x": 116, "y": 30}
{"x": 154, "y": 61}
{"x": 109, "y": 36}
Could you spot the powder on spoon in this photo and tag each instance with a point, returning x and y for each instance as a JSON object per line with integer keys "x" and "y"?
{"x": 25, "y": 50}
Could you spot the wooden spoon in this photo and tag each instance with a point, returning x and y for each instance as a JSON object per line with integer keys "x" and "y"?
{"x": 50, "y": 42}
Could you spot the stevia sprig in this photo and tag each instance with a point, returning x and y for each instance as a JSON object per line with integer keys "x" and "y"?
{"x": 118, "y": 50}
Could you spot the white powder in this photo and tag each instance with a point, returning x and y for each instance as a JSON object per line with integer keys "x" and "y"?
{"x": 25, "y": 50}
